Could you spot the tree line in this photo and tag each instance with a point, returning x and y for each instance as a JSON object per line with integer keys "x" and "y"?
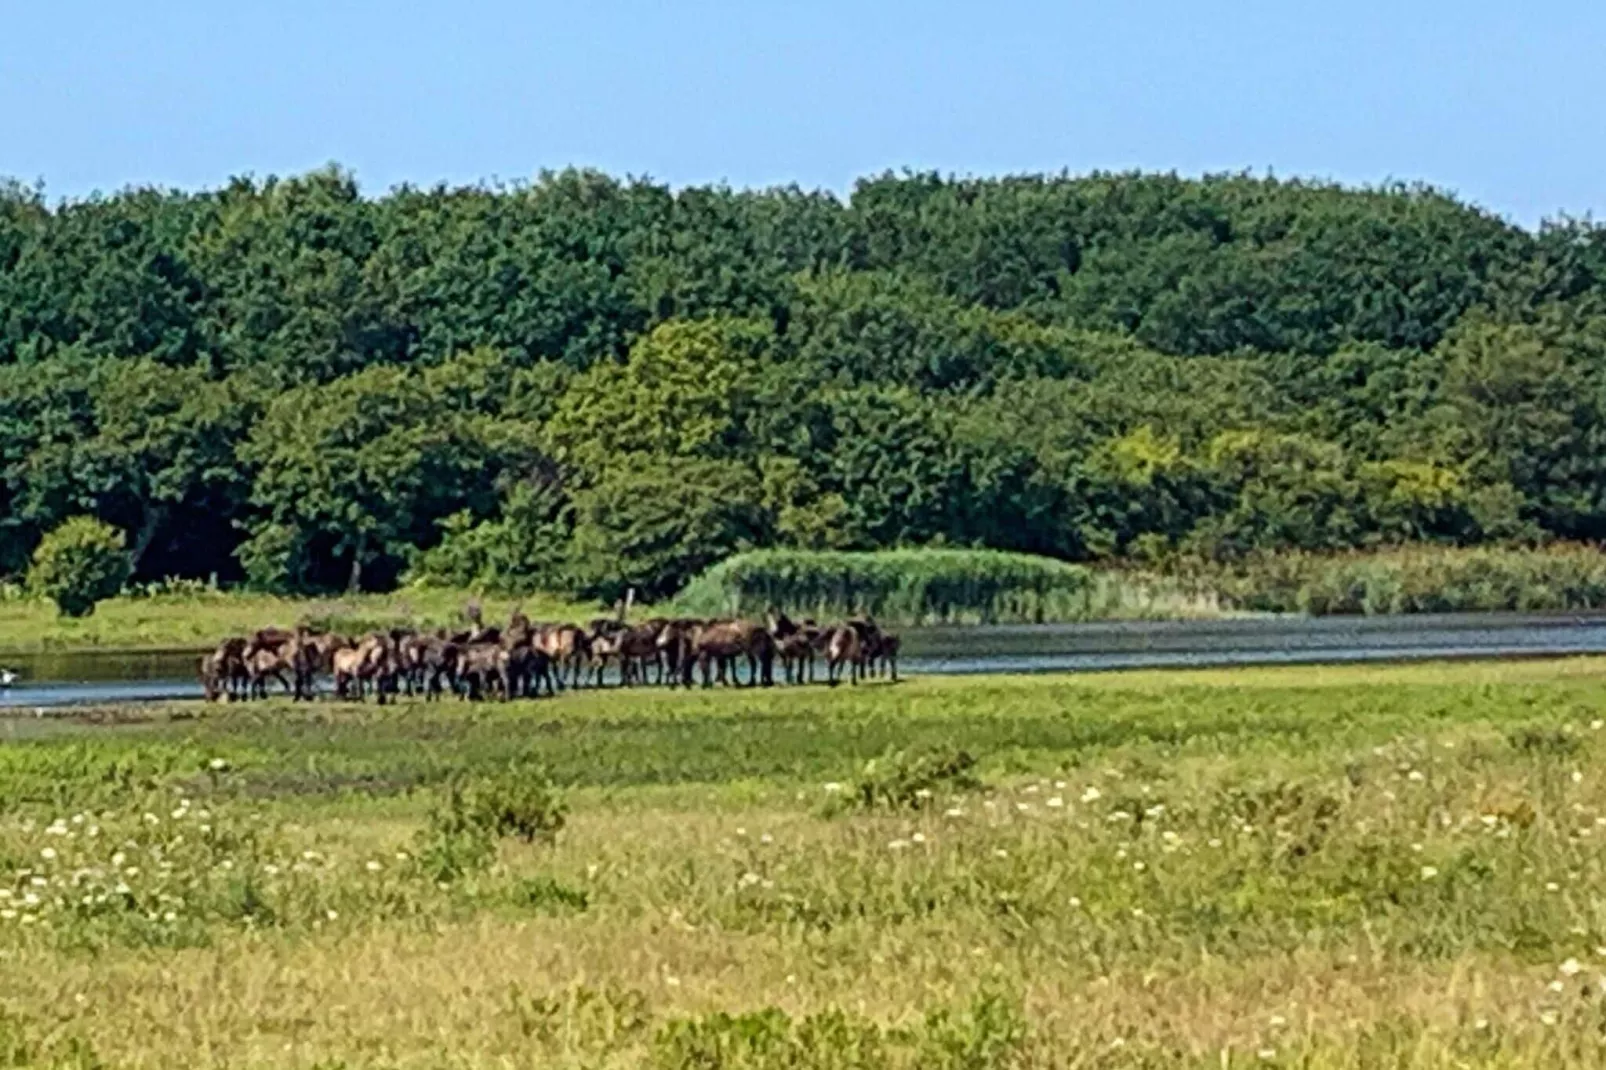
{"x": 584, "y": 383}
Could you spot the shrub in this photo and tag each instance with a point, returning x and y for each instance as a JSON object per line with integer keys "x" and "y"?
{"x": 78, "y": 564}
{"x": 520, "y": 802}
{"x": 464, "y": 826}
{"x": 455, "y": 841}
{"x": 909, "y": 780}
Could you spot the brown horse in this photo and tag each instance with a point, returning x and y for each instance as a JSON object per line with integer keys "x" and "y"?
{"x": 844, "y": 648}
{"x": 568, "y": 647}
{"x": 720, "y": 643}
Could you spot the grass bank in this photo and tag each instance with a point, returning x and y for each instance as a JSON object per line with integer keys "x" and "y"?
{"x": 1340, "y": 868}
{"x": 192, "y": 620}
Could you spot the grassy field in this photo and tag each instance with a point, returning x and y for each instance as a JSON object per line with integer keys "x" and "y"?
{"x": 197, "y": 620}
{"x": 1327, "y": 868}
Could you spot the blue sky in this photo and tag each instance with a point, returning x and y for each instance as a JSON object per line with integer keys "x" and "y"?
{"x": 1503, "y": 103}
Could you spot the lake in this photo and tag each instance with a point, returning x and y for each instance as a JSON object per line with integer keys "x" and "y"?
{"x": 48, "y": 680}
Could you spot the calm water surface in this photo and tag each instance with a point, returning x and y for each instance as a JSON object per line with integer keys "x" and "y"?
{"x": 48, "y": 680}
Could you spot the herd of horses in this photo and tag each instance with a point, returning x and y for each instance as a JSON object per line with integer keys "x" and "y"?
{"x": 526, "y": 659}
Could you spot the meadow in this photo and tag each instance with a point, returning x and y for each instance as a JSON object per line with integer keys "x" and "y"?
{"x": 1318, "y": 867}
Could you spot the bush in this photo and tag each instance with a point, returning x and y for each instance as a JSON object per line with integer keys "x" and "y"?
{"x": 909, "y": 780}
{"x": 78, "y": 564}
{"x": 520, "y": 802}
{"x": 907, "y": 586}
{"x": 463, "y": 828}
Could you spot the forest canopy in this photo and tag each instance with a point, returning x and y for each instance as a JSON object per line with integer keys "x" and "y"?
{"x": 586, "y": 383}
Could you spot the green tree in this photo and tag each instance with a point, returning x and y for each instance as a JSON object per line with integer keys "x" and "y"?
{"x": 354, "y": 473}
{"x": 655, "y": 522}
{"x": 688, "y": 389}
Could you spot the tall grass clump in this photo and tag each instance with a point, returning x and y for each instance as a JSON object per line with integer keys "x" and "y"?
{"x": 1418, "y": 579}
{"x": 904, "y": 586}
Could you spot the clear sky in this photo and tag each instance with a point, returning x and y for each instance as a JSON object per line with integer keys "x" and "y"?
{"x": 1500, "y": 101}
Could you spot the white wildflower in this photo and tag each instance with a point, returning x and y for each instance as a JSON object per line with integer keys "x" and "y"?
{"x": 1092, "y": 795}
{"x": 1570, "y": 968}
{"x": 1429, "y": 872}
{"x": 1054, "y": 802}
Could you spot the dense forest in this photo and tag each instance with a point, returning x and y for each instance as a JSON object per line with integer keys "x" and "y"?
{"x": 584, "y": 382}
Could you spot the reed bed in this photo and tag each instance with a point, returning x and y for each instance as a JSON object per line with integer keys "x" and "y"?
{"x": 1415, "y": 579}
{"x": 924, "y": 586}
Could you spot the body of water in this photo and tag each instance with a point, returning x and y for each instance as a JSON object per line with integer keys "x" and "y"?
{"x": 49, "y": 680}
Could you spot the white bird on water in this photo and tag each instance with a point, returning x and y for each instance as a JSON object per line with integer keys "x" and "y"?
{"x": 7, "y": 677}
